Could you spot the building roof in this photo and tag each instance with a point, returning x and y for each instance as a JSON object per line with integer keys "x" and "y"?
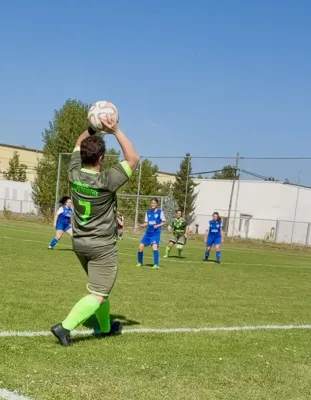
{"x": 167, "y": 173}
{"x": 11, "y": 146}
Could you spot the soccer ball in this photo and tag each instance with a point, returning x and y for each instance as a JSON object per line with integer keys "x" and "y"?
{"x": 100, "y": 109}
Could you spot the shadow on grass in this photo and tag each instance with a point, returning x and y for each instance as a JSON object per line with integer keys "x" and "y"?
{"x": 179, "y": 258}
{"x": 60, "y": 249}
{"x": 92, "y": 323}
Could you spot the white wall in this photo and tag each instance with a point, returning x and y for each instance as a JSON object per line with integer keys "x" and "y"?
{"x": 16, "y": 197}
{"x": 268, "y": 204}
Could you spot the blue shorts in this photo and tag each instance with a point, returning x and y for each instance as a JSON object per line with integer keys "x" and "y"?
{"x": 63, "y": 226}
{"x": 149, "y": 240}
{"x": 213, "y": 240}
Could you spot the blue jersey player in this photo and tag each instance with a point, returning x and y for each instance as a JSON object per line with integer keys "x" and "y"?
{"x": 214, "y": 236}
{"x": 154, "y": 220}
{"x": 62, "y": 220}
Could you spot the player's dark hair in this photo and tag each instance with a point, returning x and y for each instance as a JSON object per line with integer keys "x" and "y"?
{"x": 218, "y": 217}
{"x": 64, "y": 200}
{"x": 155, "y": 199}
{"x": 91, "y": 149}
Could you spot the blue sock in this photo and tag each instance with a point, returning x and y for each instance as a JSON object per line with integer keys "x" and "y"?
{"x": 156, "y": 257}
{"x": 218, "y": 255}
{"x": 54, "y": 242}
{"x": 206, "y": 255}
{"x": 140, "y": 256}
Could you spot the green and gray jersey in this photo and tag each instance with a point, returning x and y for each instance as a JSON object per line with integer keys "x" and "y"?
{"x": 179, "y": 226}
{"x": 94, "y": 203}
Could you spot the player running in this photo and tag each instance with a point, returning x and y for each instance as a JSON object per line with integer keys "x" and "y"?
{"x": 180, "y": 234}
{"x": 62, "y": 220}
{"x": 214, "y": 236}
{"x": 154, "y": 220}
{"x": 95, "y": 226}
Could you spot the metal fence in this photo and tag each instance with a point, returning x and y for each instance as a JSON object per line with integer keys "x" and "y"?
{"x": 133, "y": 208}
{"x": 264, "y": 198}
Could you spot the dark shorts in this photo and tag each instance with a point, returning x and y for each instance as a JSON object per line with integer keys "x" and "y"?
{"x": 63, "y": 226}
{"x": 178, "y": 239}
{"x": 101, "y": 268}
{"x": 149, "y": 240}
{"x": 213, "y": 240}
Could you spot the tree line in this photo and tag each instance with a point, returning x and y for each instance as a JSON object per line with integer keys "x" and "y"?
{"x": 60, "y": 137}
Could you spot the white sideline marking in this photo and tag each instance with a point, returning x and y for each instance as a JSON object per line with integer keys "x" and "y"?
{"x": 8, "y": 395}
{"x": 166, "y": 330}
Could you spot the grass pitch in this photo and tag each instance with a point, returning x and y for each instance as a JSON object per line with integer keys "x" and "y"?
{"x": 254, "y": 286}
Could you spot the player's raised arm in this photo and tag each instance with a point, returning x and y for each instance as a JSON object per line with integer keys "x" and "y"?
{"x": 83, "y": 136}
{"x": 130, "y": 154}
{"x": 75, "y": 161}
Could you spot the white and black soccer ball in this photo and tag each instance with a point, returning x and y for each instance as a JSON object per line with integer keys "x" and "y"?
{"x": 98, "y": 110}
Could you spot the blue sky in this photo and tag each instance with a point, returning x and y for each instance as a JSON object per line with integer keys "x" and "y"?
{"x": 206, "y": 77}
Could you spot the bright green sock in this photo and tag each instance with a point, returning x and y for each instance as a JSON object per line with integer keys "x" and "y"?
{"x": 103, "y": 316}
{"x": 81, "y": 311}
{"x": 167, "y": 251}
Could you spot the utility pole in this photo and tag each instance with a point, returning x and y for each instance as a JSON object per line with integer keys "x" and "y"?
{"x": 232, "y": 191}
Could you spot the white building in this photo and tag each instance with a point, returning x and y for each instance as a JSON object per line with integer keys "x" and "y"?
{"x": 259, "y": 209}
{"x": 16, "y": 197}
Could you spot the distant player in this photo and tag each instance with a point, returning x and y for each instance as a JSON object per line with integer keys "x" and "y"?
{"x": 179, "y": 236}
{"x": 120, "y": 221}
{"x": 214, "y": 236}
{"x": 154, "y": 220}
{"x": 62, "y": 220}
{"x": 95, "y": 226}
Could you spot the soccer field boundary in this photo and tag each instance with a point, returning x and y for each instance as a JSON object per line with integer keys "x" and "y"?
{"x": 9, "y": 395}
{"x": 10, "y": 334}
{"x": 170, "y": 260}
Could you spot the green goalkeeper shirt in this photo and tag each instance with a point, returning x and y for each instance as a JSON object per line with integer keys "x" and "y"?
{"x": 95, "y": 203}
{"x": 179, "y": 226}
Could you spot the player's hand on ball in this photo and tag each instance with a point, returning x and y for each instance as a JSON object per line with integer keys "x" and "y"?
{"x": 110, "y": 126}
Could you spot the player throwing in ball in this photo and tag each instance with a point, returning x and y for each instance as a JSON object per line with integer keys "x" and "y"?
{"x": 95, "y": 225}
{"x": 154, "y": 220}
{"x": 214, "y": 236}
{"x": 62, "y": 221}
{"x": 180, "y": 232}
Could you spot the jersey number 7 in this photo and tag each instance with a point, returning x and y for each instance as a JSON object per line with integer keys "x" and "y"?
{"x": 87, "y": 210}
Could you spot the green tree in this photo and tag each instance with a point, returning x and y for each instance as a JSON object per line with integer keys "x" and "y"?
{"x": 112, "y": 158}
{"x": 170, "y": 207}
{"x": 149, "y": 186}
{"x": 67, "y": 124}
{"x": 184, "y": 188}
{"x": 17, "y": 170}
{"x": 228, "y": 172}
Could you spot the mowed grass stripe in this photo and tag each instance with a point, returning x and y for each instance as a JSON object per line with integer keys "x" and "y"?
{"x": 228, "y": 245}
